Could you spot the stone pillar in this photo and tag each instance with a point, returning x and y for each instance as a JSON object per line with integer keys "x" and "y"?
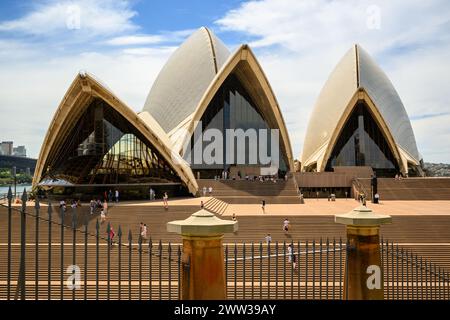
{"x": 363, "y": 277}
{"x": 203, "y": 276}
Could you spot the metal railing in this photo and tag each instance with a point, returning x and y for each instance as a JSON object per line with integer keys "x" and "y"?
{"x": 295, "y": 270}
{"x": 58, "y": 254}
{"x": 408, "y": 276}
{"x": 49, "y": 255}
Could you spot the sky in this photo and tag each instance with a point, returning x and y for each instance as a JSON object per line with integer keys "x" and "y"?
{"x": 45, "y": 43}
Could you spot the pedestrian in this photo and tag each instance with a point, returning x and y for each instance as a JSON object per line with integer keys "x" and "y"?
{"x": 92, "y": 206}
{"x": 234, "y": 217}
{"x": 317, "y": 195}
{"x": 201, "y": 205}
{"x": 286, "y": 225}
{"x": 166, "y": 200}
{"x": 210, "y": 190}
{"x": 105, "y": 207}
{"x": 117, "y": 195}
{"x": 110, "y": 195}
{"x": 290, "y": 253}
{"x": 294, "y": 260}
{"x": 111, "y": 235}
{"x": 268, "y": 239}
{"x": 144, "y": 232}
{"x": 263, "y": 205}
{"x": 102, "y": 216}
{"x": 204, "y": 191}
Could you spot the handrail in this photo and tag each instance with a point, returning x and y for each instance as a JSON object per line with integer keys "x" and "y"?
{"x": 360, "y": 187}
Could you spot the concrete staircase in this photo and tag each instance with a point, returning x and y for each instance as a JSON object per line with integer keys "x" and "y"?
{"x": 411, "y": 188}
{"x": 251, "y": 192}
{"x": 216, "y": 206}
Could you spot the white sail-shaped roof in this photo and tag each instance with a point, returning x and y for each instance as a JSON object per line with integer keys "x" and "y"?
{"x": 184, "y": 79}
{"x": 356, "y": 77}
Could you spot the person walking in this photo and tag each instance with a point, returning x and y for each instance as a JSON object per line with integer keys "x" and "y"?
{"x": 166, "y": 200}
{"x": 234, "y": 217}
{"x": 204, "y": 191}
{"x": 111, "y": 235}
{"x": 117, "y": 195}
{"x": 290, "y": 253}
{"x": 263, "y": 206}
{"x": 294, "y": 260}
{"x": 268, "y": 239}
{"x": 210, "y": 189}
{"x": 105, "y": 207}
{"x": 202, "y": 205}
{"x": 110, "y": 195}
{"x": 286, "y": 225}
{"x": 144, "y": 232}
{"x": 102, "y": 216}
{"x": 92, "y": 206}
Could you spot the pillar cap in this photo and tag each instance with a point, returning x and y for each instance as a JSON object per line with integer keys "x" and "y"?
{"x": 362, "y": 216}
{"x": 202, "y": 223}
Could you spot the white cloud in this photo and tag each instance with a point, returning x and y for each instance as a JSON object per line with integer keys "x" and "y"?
{"x": 298, "y": 43}
{"x": 135, "y": 40}
{"x": 87, "y": 17}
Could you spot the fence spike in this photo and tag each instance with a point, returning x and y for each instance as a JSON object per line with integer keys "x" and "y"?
{"x": 37, "y": 204}
{"x": 10, "y": 195}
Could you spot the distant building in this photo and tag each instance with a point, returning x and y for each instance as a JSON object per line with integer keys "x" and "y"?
{"x": 20, "y": 151}
{"x": 7, "y": 148}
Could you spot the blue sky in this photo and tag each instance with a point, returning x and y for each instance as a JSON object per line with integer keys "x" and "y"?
{"x": 298, "y": 43}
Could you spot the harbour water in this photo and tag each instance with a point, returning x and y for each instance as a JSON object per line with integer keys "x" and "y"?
{"x": 19, "y": 188}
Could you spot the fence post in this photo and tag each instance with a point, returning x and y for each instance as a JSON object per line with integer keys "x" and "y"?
{"x": 202, "y": 232}
{"x": 364, "y": 273}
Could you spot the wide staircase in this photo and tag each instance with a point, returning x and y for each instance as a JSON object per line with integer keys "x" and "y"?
{"x": 216, "y": 206}
{"x": 410, "y": 188}
{"x": 251, "y": 192}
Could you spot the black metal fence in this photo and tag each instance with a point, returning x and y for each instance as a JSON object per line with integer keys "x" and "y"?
{"x": 57, "y": 254}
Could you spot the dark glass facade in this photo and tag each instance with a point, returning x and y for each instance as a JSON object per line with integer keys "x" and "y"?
{"x": 103, "y": 148}
{"x": 233, "y": 108}
{"x": 361, "y": 143}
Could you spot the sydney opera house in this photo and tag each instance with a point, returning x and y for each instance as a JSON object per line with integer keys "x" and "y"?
{"x": 96, "y": 142}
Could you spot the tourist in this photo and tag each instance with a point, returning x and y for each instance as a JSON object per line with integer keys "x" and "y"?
{"x": 110, "y": 195}
{"x": 317, "y": 195}
{"x": 166, "y": 200}
{"x": 268, "y": 239}
{"x": 210, "y": 189}
{"x": 201, "y": 205}
{"x": 294, "y": 260}
{"x": 111, "y": 235}
{"x": 92, "y": 206}
{"x": 105, "y": 206}
{"x": 290, "y": 253}
{"x": 117, "y": 196}
{"x": 144, "y": 232}
{"x": 377, "y": 198}
{"x": 74, "y": 204}
{"x": 204, "y": 191}
{"x": 263, "y": 205}
{"x": 62, "y": 205}
{"x": 346, "y": 194}
{"x": 102, "y": 216}
{"x": 234, "y": 217}
{"x": 286, "y": 225}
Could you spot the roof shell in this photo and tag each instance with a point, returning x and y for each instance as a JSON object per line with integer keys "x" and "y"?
{"x": 83, "y": 89}
{"x": 185, "y": 77}
{"x": 357, "y": 72}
